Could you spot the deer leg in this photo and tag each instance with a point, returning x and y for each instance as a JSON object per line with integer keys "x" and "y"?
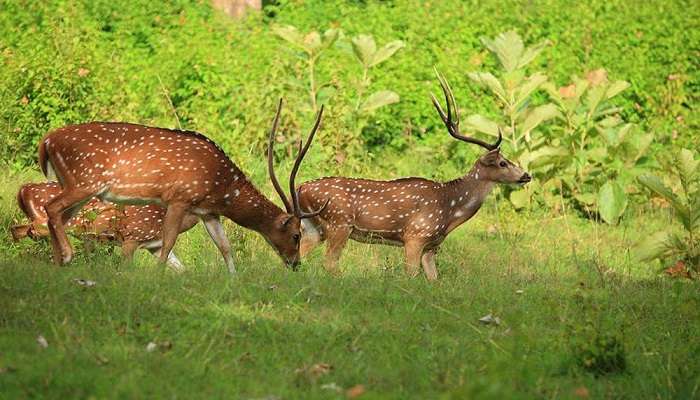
{"x": 128, "y": 249}
{"x": 59, "y": 211}
{"x": 310, "y": 237}
{"x": 20, "y": 232}
{"x": 216, "y": 231}
{"x": 173, "y": 262}
{"x": 428, "y": 262}
{"x": 414, "y": 251}
{"x": 337, "y": 238}
{"x": 171, "y": 224}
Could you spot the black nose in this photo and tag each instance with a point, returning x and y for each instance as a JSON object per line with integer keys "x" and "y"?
{"x": 525, "y": 178}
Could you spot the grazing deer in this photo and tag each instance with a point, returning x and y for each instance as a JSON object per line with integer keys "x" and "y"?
{"x": 415, "y": 213}
{"x": 183, "y": 171}
{"x": 132, "y": 227}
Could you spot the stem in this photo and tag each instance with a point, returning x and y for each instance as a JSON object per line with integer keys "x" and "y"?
{"x": 312, "y": 82}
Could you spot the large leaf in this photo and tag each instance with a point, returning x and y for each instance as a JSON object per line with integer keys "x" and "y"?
{"x": 482, "y": 124}
{"x": 530, "y": 85}
{"x": 290, "y": 34}
{"x": 615, "y": 88}
{"x": 547, "y": 155}
{"x": 531, "y": 52}
{"x": 655, "y": 246}
{"x": 655, "y": 184}
{"x": 490, "y": 81}
{"x": 536, "y": 116}
{"x": 385, "y": 52}
{"x": 312, "y": 42}
{"x": 507, "y": 47}
{"x": 379, "y": 99}
{"x": 687, "y": 165}
{"x": 329, "y": 37}
{"x": 612, "y": 202}
{"x": 364, "y": 48}
{"x": 519, "y": 199}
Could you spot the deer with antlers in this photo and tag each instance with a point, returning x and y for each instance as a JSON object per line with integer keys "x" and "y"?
{"x": 131, "y": 227}
{"x": 415, "y": 213}
{"x": 182, "y": 171}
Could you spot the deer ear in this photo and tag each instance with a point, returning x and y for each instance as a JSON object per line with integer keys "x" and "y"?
{"x": 286, "y": 219}
{"x": 491, "y": 157}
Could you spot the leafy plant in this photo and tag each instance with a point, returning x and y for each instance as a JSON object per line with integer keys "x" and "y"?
{"x": 592, "y": 155}
{"x": 312, "y": 45}
{"x": 599, "y": 352}
{"x": 673, "y": 243}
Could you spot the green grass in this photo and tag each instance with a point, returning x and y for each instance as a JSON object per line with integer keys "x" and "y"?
{"x": 247, "y": 337}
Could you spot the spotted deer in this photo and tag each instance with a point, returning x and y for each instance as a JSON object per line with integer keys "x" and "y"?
{"x": 182, "y": 171}
{"x": 415, "y": 213}
{"x": 131, "y": 227}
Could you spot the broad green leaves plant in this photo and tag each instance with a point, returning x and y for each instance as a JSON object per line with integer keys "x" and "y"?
{"x": 312, "y": 46}
{"x": 673, "y": 243}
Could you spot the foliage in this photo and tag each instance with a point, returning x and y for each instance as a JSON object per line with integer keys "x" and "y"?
{"x": 586, "y": 155}
{"x": 671, "y": 243}
{"x": 599, "y": 352}
{"x": 224, "y": 77}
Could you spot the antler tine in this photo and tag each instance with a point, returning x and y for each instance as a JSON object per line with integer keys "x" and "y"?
{"x": 270, "y": 162}
{"x": 453, "y": 125}
{"x": 292, "y": 176}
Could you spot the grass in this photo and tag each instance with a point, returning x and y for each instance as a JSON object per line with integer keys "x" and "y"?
{"x": 262, "y": 334}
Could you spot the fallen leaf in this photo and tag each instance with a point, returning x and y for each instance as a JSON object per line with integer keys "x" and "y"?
{"x": 151, "y": 347}
{"x": 596, "y": 77}
{"x": 678, "y": 271}
{"x": 519, "y": 291}
{"x": 83, "y": 72}
{"x": 272, "y": 287}
{"x": 567, "y": 92}
{"x": 355, "y": 391}
{"x": 41, "y": 340}
{"x": 85, "y": 282}
{"x": 581, "y": 392}
{"x": 313, "y": 372}
{"x": 101, "y": 360}
{"x": 489, "y": 319}
{"x": 332, "y": 386}
{"x": 492, "y": 229}
{"x": 24, "y": 100}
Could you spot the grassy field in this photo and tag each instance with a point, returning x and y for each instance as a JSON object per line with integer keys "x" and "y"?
{"x": 565, "y": 290}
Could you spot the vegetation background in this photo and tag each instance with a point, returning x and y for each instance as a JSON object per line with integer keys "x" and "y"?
{"x": 581, "y": 316}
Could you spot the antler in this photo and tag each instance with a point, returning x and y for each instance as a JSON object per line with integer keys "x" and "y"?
{"x": 303, "y": 148}
{"x": 453, "y": 124}
{"x": 270, "y": 163}
{"x": 293, "y": 207}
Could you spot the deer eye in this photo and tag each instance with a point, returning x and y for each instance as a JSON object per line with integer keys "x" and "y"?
{"x": 502, "y": 164}
{"x": 296, "y": 237}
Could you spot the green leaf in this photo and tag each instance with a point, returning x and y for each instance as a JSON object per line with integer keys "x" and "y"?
{"x": 587, "y": 199}
{"x": 482, "y": 124}
{"x": 612, "y": 202}
{"x": 547, "y": 155}
{"x": 507, "y": 47}
{"x": 385, "y": 52}
{"x": 364, "y": 48}
{"x": 290, "y": 34}
{"x": 687, "y": 165}
{"x": 379, "y": 99}
{"x": 536, "y": 116}
{"x": 519, "y": 199}
{"x": 655, "y": 184}
{"x": 530, "y": 85}
{"x": 312, "y": 42}
{"x": 655, "y": 246}
{"x": 329, "y": 37}
{"x": 490, "y": 81}
{"x": 615, "y": 88}
{"x": 531, "y": 52}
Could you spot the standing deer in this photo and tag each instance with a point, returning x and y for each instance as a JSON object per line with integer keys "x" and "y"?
{"x": 132, "y": 227}
{"x": 183, "y": 171}
{"x": 415, "y": 213}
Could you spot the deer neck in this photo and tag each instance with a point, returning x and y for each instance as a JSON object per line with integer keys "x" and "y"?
{"x": 247, "y": 207}
{"x": 465, "y": 196}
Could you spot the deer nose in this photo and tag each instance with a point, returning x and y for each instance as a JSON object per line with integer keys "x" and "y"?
{"x": 525, "y": 178}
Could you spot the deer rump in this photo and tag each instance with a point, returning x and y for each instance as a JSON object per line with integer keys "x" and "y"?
{"x": 132, "y": 227}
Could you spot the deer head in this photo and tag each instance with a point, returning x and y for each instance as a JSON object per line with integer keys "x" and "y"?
{"x": 492, "y": 166}
{"x": 285, "y": 234}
